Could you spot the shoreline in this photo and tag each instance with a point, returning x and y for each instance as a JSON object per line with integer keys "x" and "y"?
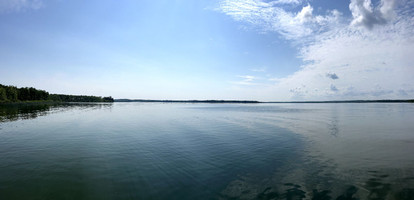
{"x": 261, "y": 102}
{"x": 28, "y": 103}
{"x": 49, "y": 102}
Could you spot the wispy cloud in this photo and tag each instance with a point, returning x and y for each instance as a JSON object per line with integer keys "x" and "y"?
{"x": 7, "y": 6}
{"x": 246, "y": 80}
{"x": 286, "y": 2}
{"x": 371, "y": 51}
{"x": 271, "y": 16}
{"x": 262, "y": 69}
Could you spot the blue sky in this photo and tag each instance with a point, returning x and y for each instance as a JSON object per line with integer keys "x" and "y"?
{"x": 218, "y": 49}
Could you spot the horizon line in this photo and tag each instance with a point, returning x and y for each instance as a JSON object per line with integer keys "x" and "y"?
{"x": 256, "y": 101}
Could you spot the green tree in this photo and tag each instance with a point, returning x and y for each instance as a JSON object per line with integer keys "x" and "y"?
{"x": 3, "y": 96}
{"x": 108, "y": 99}
{"x": 24, "y": 94}
{"x": 12, "y": 93}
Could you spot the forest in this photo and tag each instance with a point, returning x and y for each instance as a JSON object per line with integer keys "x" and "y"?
{"x": 11, "y": 94}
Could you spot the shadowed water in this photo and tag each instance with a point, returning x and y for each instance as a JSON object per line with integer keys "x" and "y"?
{"x": 207, "y": 151}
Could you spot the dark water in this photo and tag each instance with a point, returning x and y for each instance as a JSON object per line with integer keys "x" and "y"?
{"x": 207, "y": 151}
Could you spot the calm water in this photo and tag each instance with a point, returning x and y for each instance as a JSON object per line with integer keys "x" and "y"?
{"x": 207, "y": 151}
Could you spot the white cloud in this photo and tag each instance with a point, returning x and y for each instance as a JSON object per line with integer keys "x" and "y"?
{"x": 305, "y": 14}
{"x": 373, "y": 63}
{"x": 246, "y": 80}
{"x": 7, "y": 6}
{"x": 262, "y": 69}
{"x": 285, "y": 2}
{"x": 387, "y": 8}
{"x": 270, "y": 16}
{"x": 367, "y": 15}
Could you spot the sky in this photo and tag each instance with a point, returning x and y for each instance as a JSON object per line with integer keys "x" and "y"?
{"x": 265, "y": 50}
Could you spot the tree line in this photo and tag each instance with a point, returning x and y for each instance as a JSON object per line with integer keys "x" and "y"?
{"x": 14, "y": 94}
{"x": 79, "y": 98}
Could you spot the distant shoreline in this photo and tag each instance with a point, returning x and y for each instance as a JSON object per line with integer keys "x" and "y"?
{"x": 210, "y": 101}
{"x": 350, "y": 101}
{"x": 184, "y": 101}
{"x": 256, "y": 102}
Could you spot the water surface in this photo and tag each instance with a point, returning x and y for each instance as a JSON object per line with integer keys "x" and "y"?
{"x": 207, "y": 151}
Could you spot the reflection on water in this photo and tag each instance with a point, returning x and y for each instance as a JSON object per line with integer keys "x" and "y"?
{"x": 205, "y": 151}
{"x": 13, "y": 112}
{"x": 376, "y": 187}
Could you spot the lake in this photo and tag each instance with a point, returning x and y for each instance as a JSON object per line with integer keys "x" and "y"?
{"x": 207, "y": 151}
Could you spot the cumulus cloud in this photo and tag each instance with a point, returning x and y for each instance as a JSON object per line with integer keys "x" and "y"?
{"x": 19, "y": 5}
{"x": 305, "y": 14}
{"x": 367, "y": 15}
{"x": 374, "y": 63}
